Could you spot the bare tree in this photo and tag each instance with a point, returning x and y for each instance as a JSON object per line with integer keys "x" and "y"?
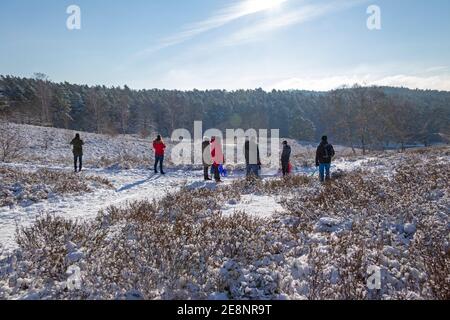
{"x": 44, "y": 94}
{"x": 124, "y": 107}
{"x": 12, "y": 144}
{"x": 402, "y": 121}
{"x": 341, "y": 117}
{"x": 4, "y": 105}
{"x": 96, "y": 106}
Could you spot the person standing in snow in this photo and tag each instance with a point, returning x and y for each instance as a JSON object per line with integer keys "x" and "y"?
{"x": 324, "y": 155}
{"x": 217, "y": 157}
{"x": 252, "y": 158}
{"x": 285, "y": 158}
{"x": 159, "y": 147}
{"x": 77, "y": 150}
{"x": 206, "y": 158}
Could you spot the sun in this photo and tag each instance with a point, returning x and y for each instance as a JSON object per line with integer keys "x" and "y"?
{"x": 262, "y": 5}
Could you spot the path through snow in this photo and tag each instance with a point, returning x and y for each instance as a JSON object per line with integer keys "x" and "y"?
{"x": 132, "y": 185}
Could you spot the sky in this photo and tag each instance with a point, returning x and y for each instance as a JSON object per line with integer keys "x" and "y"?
{"x": 229, "y": 44}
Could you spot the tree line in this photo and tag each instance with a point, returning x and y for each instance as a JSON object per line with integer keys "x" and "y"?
{"x": 361, "y": 117}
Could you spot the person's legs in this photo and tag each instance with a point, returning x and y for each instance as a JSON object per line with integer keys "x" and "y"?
{"x": 80, "y": 159}
{"x": 157, "y": 159}
{"x": 75, "y": 160}
{"x": 161, "y": 164}
{"x": 253, "y": 170}
{"x": 216, "y": 173}
{"x": 327, "y": 169}
{"x": 285, "y": 168}
{"x": 256, "y": 169}
{"x": 206, "y": 172}
{"x": 322, "y": 172}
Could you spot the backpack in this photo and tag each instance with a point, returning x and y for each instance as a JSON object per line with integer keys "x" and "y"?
{"x": 329, "y": 151}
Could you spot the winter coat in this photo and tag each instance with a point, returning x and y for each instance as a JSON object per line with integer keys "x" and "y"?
{"x": 217, "y": 156}
{"x": 206, "y": 153}
{"x": 159, "y": 148}
{"x": 286, "y": 155}
{"x": 325, "y": 153}
{"x": 252, "y": 153}
{"x": 77, "y": 147}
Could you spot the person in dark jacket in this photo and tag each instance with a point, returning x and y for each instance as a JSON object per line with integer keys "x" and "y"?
{"x": 159, "y": 147}
{"x": 324, "y": 155}
{"x": 252, "y": 157}
{"x": 77, "y": 150}
{"x": 285, "y": 158}
{"x": 206, "y": 158}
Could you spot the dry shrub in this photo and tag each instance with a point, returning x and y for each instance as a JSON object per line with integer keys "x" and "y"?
{"x": 45, "y": 244}
{"x": 175, "y": 248}
{"x": 182, "y": 247}
{"x": 430, "y": 252}
{"x": 287, "y": 184}
{"x": 178, "y": 246}
{"x": 124, "y": 161}
{"x": 12, "y": 142}
{"x": 18, "y": 185}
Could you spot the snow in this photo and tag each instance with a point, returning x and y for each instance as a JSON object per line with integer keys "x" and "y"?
{"x": 409, "y": 228}
{"x": 131, "y": 185}
{"x": 331, "y": 225}
{"x": 291, "y": 265}
{"x": 256, "y": 205}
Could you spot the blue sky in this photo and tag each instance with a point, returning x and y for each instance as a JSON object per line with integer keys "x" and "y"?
{"x": 229, "y": 44}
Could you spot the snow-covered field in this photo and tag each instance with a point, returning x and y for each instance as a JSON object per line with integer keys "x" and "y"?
{"x": 140, "y": 235}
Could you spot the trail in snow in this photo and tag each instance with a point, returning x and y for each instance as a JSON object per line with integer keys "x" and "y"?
{"x": 132, "y": 185}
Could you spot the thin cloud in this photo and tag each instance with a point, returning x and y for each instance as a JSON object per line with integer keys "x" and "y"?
{"x": 301, "y": 15}
{"x": 222, "y": 17}
{"x": 438, "y": 82}
{"x": 437, "y": 68}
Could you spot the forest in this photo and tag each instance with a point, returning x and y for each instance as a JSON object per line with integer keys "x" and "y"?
{"x": 358, "y": 116}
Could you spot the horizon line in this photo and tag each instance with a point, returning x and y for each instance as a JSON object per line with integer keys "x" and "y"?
{"x": 341, "y": 87}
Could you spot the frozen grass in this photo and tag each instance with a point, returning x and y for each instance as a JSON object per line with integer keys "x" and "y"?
{"x": 321, "y": 247}
{"x": 18, "y": 186}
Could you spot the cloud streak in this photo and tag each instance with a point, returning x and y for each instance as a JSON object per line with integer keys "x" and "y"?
{"x": 438, "y": 82}
{"x": 226, "y": 15}
{"x": 298, "y": 16}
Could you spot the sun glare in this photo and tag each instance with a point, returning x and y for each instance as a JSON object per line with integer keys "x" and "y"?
{"x": 262, "y": 5}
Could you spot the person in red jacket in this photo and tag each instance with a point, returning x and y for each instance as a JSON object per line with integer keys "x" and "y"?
{"x": 159, "y": 147}
{"x": 217, "y": 157}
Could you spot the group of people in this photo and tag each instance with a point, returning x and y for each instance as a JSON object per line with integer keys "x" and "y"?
{"x": 213, "y": 157}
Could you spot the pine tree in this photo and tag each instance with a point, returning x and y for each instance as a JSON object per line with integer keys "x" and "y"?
{"x": 61, "y": 108}
{"x": 301, "y": 128}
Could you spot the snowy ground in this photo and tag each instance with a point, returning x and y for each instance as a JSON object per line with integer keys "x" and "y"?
{"x": 136, "y": 185}
{"x": 126, "y": 166}
{"x": 278, "y": 239}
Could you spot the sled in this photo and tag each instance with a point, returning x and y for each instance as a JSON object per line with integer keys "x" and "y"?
{"x": 290, "y": 168}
